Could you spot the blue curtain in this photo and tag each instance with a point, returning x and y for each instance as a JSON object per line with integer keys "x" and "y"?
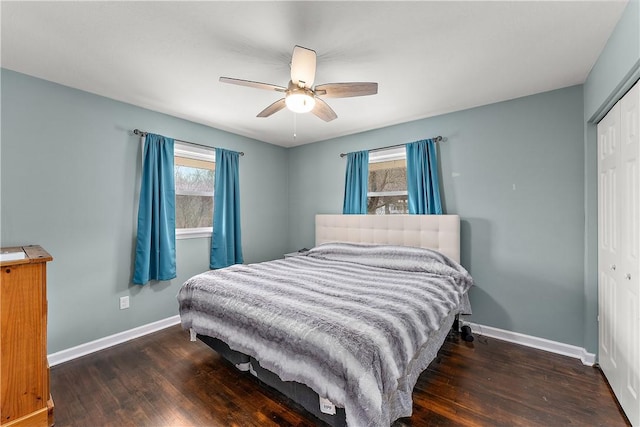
{"x": 156, "y": 240}
{"x": 422, "y": 178}
{"x": 356, "y": 183}
{"x": 226, "y": 242}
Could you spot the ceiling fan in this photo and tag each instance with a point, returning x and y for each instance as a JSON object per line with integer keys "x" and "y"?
{"x": 300, "y": 95}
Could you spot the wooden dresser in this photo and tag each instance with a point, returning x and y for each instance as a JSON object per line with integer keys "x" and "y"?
{"x": 24, "y": 371}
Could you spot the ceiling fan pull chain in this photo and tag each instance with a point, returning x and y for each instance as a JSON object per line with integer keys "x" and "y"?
{"x": 295, "y": 127}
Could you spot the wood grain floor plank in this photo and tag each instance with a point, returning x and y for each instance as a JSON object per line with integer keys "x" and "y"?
{"x": 163, "y": 379}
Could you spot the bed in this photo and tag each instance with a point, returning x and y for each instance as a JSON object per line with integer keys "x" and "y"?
{"x": 346, "y": 328}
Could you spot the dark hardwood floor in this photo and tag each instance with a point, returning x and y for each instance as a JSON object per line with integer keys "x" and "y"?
{"x": 163, "y": 379}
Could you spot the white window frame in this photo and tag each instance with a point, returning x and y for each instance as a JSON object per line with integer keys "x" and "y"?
{"x": 395, "y": 153}
{"x": 197, "y": 153}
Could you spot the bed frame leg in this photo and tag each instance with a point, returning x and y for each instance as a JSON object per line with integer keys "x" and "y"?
{"x": 456, "y": 324}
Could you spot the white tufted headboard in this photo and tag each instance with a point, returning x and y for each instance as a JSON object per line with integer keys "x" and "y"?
{"x": 439, "y": 232}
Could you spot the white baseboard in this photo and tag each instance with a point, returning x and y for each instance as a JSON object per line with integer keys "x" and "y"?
{"x": 489, "y": 331}
{"x": 576, "y": 352}
{"x": 111, "y": 340}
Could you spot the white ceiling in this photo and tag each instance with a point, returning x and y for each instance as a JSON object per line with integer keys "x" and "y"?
{"x": 429, "y": 58}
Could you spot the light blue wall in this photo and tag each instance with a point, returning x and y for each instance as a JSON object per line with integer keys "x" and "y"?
{"x": 70, "y": 171}
{"x": 617, "y": 68}
{"x": 524, "y": 247}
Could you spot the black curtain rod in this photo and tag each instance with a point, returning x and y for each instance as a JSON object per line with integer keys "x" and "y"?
{"x": 144, "y": 133}
{"x": 435, "y": 139}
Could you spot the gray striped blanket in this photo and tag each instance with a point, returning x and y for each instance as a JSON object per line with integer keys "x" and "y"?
{"x": 347, "y": 320}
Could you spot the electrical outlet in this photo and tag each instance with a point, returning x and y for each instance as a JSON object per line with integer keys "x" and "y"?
{"x": 124, "y": 303}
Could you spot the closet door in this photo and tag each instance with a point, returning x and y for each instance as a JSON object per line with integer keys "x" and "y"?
{"x": 619, "y": 251}
{"x": 629, "y": 328}
{"x": 608, "y": 244}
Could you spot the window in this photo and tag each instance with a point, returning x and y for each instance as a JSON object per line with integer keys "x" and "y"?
{"x": 194, "y": 172}
{"x": 387, "y": 193}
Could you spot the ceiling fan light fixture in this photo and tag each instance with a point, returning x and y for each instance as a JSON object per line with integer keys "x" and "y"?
{"x": 300, "y": 100}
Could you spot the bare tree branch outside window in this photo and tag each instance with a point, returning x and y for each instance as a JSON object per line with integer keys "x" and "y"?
{"x": 385, "y": 177}
{"x": 194, "y": 196}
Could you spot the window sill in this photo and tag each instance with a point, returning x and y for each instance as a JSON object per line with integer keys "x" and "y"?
{"x": 193, "y": 233}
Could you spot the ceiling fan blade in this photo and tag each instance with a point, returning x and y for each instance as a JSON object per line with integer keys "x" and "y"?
{"x": 323, "y": 111}
{"x": 303, "y": 66}
{"x": 249, "y": 83}
{"x": 346, "y": 90}
{"x": 273, "y": 108}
